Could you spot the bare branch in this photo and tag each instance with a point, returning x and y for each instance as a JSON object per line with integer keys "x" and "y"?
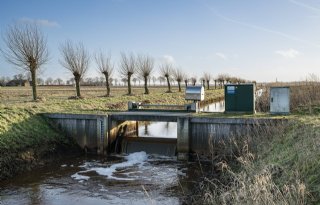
{"x": 105, "y": 67}
{"x": 127, "y": 68}
{"x": 76, "y": 59}
{"x": 26, "y": 48}
{"x": 166, "y": 71}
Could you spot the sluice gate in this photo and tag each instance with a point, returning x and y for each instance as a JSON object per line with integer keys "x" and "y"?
{"x": 103, "y": 134}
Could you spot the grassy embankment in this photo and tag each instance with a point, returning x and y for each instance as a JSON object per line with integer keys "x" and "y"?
{"x": 26, "y": 139}
{"x": 272, "y": 165}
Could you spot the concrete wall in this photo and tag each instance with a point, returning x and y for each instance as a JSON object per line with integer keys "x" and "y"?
{"x": 206, "y": 135}
{"x": 89, "y": 131}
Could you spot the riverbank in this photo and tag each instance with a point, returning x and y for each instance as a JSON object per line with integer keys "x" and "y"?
{"x": 28, "y": 141}
{"x": 280, "y": 167}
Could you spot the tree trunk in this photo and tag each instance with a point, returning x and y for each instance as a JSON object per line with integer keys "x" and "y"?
{"x": 129, "y": 84}
{"x": 208, "y": 85}
{"x": 168, "y": 82}
{"x": 186, "y": 82}
{"x": 77, "y": 79}
{"x": 215, "y": 84}
{"x": 179, "y": 86}
{"x": 107, "y": 84}
{"x": 34, "y": 84}
{"x": 146, "y": 90}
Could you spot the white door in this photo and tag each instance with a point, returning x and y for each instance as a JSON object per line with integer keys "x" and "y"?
{"x": 279, "y": 100}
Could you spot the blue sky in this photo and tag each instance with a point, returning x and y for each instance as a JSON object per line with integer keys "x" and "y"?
{"x": 260, "y": 40}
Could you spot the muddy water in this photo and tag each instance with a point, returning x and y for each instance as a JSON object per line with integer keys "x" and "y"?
{"x": 137, "y": 178}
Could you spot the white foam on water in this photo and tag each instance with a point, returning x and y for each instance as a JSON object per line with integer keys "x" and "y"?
{"x": 64, "y": 165}
{"x": 134, "y": 159}
{"x": 77, "y": 176}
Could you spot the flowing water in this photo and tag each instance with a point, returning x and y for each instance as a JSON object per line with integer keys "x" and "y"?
{"x": 137, "y": 178}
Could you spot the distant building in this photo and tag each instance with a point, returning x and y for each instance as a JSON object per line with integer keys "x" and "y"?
{"x": 24, "y": 83}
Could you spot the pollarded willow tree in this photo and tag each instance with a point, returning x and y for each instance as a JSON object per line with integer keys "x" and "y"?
{"x": 145, "y": 67}
{"x": 127, "y": 68}
{"x": 166, "y": 71}
{"x": 106, "y": 67}
{"x": 26, "y": 48}
{"x": 76, "y": 59}
{"x": 207, "y": 78}
{"x": 185, "y": 79}
{"x": 178, "y": 76}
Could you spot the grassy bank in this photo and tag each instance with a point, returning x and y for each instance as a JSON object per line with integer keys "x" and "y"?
{"x": 27, "y": 140}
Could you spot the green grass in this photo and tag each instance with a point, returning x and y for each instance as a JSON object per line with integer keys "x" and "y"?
{"x": 26, "y": 139}
{"x": 55, "y": 99}
{"x": 297, "y": 151}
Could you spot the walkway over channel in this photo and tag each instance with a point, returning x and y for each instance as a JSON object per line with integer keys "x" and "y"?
{"x": 148, "y": 116}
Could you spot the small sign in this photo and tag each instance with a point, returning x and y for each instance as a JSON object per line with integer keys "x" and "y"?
{"x": 231, "y": 89}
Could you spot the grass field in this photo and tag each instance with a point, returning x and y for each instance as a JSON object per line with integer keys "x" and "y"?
{"x": 57, "y": 98}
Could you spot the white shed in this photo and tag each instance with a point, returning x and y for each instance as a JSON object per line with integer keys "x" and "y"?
{"x": 279, "y": 100}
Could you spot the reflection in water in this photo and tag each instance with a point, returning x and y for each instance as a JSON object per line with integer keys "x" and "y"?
{"x": 214, "y": 107}
{"x": 158, "y": 129}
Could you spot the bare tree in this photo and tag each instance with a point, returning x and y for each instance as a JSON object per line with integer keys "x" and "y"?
{"x": 105, "y": 67}
{"x": 186, "y": 79}
{"x": 178, "y": 76}
{"x": 135, "y": 81}
{"x": 166, "y": 71}
{"x": 26, "y": 47}
{"x": 161, "y": 79}
{"x": 59, "y": 81}
{"x": 202, "y": 80}
{"x": 49, "y": 81}
{"x": 194, "y": 80}
{"x": 207, "y": 78}
{"x": 127, "y": 68}
{"x": 145, "y": 66}
{"x": 154, "y": 79}
{"x": 76, "y": 59}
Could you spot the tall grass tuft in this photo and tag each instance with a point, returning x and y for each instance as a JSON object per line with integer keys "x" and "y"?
{"x": 245, "y": 179}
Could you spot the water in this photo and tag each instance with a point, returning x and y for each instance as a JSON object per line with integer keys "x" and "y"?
{"x": 135, "y": 179}
{"x": 169, "y": 129}
{"x": 214, "y": 107}
{"x": 158, "y": 129}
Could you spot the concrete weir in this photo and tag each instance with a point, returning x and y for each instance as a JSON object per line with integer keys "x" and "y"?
{"x": 101, "y": 134}
{"x": 89, "y": 131}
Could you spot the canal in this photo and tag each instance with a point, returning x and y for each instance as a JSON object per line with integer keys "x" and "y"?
{"x": 135, "y": 178}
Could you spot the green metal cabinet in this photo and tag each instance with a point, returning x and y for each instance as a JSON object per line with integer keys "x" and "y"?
{"x": 239, "y": 98}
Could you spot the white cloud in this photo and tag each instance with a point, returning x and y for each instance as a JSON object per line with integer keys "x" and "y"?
{"x": 168, "y": 59}
{"x": 290, "y": 53}
{"x": 261, "y": 28}
{"x": 221, "y": 55}
{"x": 41, "y": 22}
{"x": 307, "y": 6}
